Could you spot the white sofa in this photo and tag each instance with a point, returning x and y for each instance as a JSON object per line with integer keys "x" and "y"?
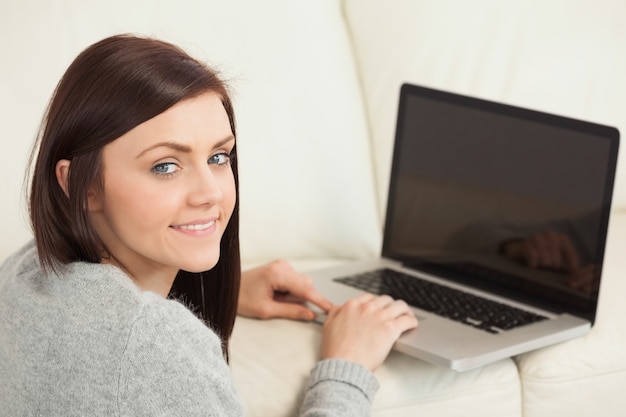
{"x": 315, "y": 88}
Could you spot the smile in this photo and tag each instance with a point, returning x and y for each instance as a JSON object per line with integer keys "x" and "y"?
{"x": 195, "y": 227}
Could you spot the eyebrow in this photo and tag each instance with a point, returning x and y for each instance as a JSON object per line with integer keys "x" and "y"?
{"x": 180, "y": 147}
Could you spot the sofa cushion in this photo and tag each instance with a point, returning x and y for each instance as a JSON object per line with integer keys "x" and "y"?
{"x": 271, "y": 361}
{"x": 554, "y": 378}
{"x": 559, "y": 56}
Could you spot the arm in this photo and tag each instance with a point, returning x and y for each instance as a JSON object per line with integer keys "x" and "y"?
{"x": 356, "y": 339}
{"x": 339, "y": 388}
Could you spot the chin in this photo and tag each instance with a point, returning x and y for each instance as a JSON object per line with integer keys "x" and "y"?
{"x": 201, "y": 265}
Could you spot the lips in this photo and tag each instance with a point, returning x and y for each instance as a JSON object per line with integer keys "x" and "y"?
{"x": 195, "y": 226}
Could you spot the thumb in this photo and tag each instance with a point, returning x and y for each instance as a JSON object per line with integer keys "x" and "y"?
{"x": 293, "y": 311}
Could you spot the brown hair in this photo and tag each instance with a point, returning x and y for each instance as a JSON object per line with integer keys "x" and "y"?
{"x": 110, "y": 88}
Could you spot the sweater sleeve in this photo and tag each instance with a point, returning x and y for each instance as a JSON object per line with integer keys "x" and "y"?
{"x": 339, "y": 388}
{"x": 173, "y": 365}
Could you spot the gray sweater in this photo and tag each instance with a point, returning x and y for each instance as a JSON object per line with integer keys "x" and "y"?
{"x": 91, "y": 343}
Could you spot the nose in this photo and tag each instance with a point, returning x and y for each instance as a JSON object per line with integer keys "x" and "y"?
{"x": 205, "y": 188}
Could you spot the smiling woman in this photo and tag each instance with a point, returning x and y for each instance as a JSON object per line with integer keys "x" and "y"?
{"x": 127, "y": 87}
{"x": 134, "y": 208}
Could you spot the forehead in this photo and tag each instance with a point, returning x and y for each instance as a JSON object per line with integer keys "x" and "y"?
{"x": 197, "y": 121}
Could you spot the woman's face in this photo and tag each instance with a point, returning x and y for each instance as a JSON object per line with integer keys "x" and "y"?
{"x": 168, "y": 193}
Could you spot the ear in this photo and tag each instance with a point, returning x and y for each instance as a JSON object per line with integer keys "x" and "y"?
{"x": 62, "y": 172}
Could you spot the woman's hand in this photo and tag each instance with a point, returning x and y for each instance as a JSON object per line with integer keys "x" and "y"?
{"x": 549, "y": 249}
{"x": 365, "y": 328}
{"x": 276, "y": 290}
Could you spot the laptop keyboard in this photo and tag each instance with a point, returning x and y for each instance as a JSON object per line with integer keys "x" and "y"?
{"x": 444, "y": 301}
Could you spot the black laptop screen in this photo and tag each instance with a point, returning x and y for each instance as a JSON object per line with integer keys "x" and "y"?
{"x": 505, "y": 198}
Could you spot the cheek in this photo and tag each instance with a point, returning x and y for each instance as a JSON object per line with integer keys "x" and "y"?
{"x": 226, "y": 183}
{"x": 230, "y": 194}
{"x": 134, "y": 203}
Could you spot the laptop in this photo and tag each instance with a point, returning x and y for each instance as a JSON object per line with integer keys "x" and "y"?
{"x": 495, "y": 228}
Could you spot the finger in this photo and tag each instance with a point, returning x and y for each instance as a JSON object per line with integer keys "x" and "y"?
{"x": 513, "y": 249}
{"x": 541, "y": 250}
{"x": 352, "y": 305}
{"x": 290, "y": 306}
{"x": 300, "y": 286}
{"x": 406, "y": 322}
{"x": 305, "y": 292}
{"x": 379, "y": 302}
{"x": 361, "y": 299}
{"x": 553, "y": 243}
{"x": 582, "y": 277}
{"x": 398, "y": 308}
{"x": 531, "y": 255}
{"x": 334, "y": 310}
{"x": 570, "y": 254}
{"x": 400, "y": 316}
{"x": 293, "y": 311}
{"x": 315, "y": 298}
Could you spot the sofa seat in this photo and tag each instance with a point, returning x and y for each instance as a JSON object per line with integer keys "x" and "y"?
{"x": 271, "y": 360}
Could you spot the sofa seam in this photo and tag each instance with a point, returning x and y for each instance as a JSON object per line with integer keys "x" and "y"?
{"x": 374, "y": 173}
{"x": 560, "y": 380}
{"x": 444, "y": 397}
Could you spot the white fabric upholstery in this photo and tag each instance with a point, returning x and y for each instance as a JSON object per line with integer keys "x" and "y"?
{"x": 559, "y": 56}
{"x": 304, "y": 154}
{"x": 273, "y": 358}
{"x": 315, "y": 88}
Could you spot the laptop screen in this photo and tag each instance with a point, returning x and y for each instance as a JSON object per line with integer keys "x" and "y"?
{"x": 507, "y": 199}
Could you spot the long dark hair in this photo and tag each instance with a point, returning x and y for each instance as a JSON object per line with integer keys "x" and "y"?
{"x": 110, "y": 88}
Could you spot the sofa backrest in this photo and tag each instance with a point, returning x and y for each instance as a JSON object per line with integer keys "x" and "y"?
{"x": 305, "y": 169}
{"x": 308, "y": 184}
{"x": 559, "y": 56}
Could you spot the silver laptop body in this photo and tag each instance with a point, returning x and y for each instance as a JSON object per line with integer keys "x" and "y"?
{"x": 468, "y": 178}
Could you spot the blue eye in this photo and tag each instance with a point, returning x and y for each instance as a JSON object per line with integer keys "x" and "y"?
{"x": 219, "y": 159}
{"x": 166, "y": 168}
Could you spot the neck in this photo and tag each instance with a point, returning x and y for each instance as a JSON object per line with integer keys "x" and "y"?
{"x": 148, "y": 279}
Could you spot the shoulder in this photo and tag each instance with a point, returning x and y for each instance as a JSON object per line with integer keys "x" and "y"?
{"x": 172, "y": 327}
{"x": 23, "y": 258}
{"x": 173, "y": 363}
